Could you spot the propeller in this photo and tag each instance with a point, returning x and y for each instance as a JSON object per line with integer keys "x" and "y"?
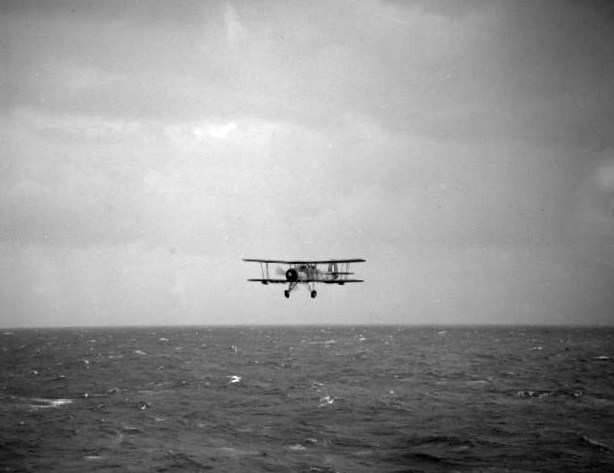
{"x": 292, "y": 275}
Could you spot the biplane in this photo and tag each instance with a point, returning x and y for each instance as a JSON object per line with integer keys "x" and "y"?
{"x": 308, "y": 273}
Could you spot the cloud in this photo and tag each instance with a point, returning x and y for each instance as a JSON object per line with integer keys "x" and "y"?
{"x": 305, "y": 63}
{"x": 476, "y": 71}
{"x": 215, "y": 184}
{"x": 128, "y": 284}
{"x": 202, "y": 185}
{"x": 70, "y": 181}
{"x": 235, "y": 31}
{"x": 604, "y": 176}
{"x": 221, "y": 132}
{"x": 594, "y": 204}
{"x": 446, "y": 8}
{"x": 223, "y": 129}
{"x": 80, "y": 127}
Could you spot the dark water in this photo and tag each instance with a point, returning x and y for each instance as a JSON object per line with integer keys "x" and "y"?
{"x": 340, "y": 399}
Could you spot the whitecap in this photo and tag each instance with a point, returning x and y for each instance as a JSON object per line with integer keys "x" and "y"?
{"x": 326, "y": 401}
{"x": 327, "y": 342}
{"x": 595, "y": 443}
{"x": 479, "y": 382}
{"x": 297, "y": 447}
{"x": 60, "y": 402}
{"x": 40, "y": 403}
{"x": 234, "y": 379}
{"x": 235, "y": 452}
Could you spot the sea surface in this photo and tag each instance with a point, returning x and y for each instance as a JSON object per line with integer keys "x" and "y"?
{"x": 307, "y": 399}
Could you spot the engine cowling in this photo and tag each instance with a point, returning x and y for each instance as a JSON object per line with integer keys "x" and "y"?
{"x": 292, "y": 275}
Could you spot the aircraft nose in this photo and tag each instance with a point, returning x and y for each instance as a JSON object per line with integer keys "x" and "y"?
{"x": 292, "y": 275}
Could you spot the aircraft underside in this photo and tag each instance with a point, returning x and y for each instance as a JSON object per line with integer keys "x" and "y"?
{"x": 310, "y": 287}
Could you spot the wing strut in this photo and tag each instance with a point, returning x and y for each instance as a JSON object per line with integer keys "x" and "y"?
{"x": 264, "y": 269}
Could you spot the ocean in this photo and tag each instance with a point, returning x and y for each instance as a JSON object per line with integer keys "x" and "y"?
{"x": 307, "y": 399}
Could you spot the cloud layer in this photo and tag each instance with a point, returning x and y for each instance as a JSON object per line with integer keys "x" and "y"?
{"x": 471, "y": 135}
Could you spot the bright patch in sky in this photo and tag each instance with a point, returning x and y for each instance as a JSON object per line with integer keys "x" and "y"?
{"x": 222, "y": 131}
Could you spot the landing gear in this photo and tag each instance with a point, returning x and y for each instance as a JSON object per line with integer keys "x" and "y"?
{"x": 288, "y": 291}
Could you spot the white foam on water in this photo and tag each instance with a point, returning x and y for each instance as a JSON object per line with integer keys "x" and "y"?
{"x": 40, "y": 403}
{"x": 297, "y": 447}
{"x": 326, "y": 401}
{"x": 235, "y": 452}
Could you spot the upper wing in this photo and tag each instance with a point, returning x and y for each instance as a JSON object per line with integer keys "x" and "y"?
{"x": 255, "y": 260}
{"x": 350, "y": 260}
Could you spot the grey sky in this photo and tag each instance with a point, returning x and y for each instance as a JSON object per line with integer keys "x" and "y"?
{"x": 465, "y": 149}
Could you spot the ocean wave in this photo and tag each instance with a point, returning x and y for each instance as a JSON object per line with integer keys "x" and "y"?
{"x": 40, "y": 403}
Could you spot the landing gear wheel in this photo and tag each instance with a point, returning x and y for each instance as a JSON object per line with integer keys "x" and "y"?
{"x": 287, "y": 293}
{"x": 314, "y": 294}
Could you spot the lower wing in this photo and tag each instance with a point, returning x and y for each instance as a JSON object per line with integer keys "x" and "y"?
{"x": 270, "y": 281}
{"x": 341, "y": 281}
{"x": 324, "y": 281}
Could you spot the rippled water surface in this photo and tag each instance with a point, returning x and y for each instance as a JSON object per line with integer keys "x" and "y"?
{"x": 309, "y": 399}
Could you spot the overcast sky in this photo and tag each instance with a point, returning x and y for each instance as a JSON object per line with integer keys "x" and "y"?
{"x": 465, "y": 149}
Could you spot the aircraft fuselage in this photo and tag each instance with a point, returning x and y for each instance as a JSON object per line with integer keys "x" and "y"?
{"x": 306, "y": 272}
